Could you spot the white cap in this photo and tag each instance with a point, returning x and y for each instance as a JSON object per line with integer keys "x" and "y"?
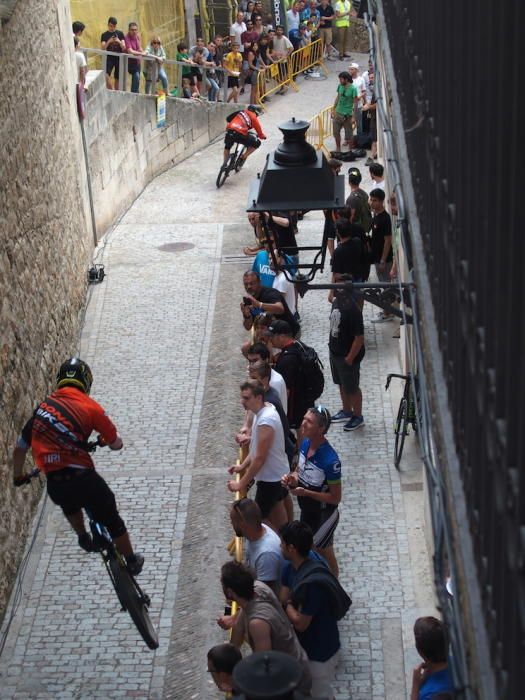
{"x": 354, "y": 65}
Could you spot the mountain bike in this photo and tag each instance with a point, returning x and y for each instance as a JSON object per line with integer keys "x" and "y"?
{"x": 406, "y": 414}
{"x": 131, "y": 596}
{"x": 233, "y": 163}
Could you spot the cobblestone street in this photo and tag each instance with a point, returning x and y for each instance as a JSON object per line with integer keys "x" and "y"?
{"x": 162, "y": 334}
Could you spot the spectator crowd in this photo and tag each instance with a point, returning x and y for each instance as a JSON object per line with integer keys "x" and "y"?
{"x": 288, "y": 483}
{"x": 254, "y": 42}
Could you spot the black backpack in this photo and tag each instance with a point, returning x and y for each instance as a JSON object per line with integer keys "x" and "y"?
{"x": 311, "y": 376}
{"x": 315, "y": 573}
{"x": 358, "y": 200}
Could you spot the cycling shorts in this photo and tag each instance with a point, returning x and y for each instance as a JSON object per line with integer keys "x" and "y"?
{"x": 73, "y": 490}
{"x": 235, "y": 137}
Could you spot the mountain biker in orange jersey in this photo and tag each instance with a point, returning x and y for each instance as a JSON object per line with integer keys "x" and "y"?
{"x": 57, "y": 435}
{"x": 237, "y": 131}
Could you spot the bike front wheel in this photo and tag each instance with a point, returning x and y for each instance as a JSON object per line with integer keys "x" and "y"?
{"x": 134, "y": 600}
{"x": 401, "y": 431}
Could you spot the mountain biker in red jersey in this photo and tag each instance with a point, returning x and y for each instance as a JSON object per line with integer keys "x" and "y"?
{"x": 237, "y": 131}
{"x": 57, "y": 435}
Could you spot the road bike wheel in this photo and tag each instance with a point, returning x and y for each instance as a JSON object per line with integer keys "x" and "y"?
{"x": 134, "y": 601}
{"x": 400, "y": 430}
{"x": 238, "y": 163}
{"x": 221, "y": 177}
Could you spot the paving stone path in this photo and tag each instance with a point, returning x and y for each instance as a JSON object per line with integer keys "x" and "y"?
{"x": 162, "y": 333}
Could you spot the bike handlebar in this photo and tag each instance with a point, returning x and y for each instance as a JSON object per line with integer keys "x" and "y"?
{"x": 26, "y": 478}
{"x": 93, "y": 444}
{"x": 399, "y": 376}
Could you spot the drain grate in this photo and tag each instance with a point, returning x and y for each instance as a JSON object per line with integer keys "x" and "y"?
{"x": 414, "y": 486}
{"x": 236, "y": 260}
{"x": 178, "y": 247}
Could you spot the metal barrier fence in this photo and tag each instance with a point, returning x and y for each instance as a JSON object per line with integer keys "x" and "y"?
{"x": 282, "y": 73}
{"x": 320, "y": 130}
{"x": 273, "y": 78}
{"x": 307, "y": 57}
{"x": 97, "y": 60}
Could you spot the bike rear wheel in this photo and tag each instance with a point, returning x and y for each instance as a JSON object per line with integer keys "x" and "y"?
{"x": 401, "y": 431}
{"x": 221, "y": 177}
{"x": 134, "y": 601}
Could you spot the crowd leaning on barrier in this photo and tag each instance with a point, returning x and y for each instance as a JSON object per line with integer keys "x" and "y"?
{"x": 204, "y": 74}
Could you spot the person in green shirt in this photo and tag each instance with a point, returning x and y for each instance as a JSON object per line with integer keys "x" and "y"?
{"x": 343, "y": 109}
{"x": 184, "y": 57}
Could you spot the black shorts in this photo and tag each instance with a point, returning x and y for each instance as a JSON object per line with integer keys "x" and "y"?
{"x": 269, "y": 493}
{"x": 233, "y": 81}
{"x": 87, "y": 489}
{"x": 112, "y": 63}
{"x": 345, "y": 375}
{"x": 246, "y": 139}
{"x": 323, "y": 524}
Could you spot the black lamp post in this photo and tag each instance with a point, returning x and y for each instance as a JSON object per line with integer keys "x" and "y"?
{"x": 296, "y": 177}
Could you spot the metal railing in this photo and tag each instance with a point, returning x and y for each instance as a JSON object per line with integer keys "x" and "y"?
{"x": 175, "y": 70}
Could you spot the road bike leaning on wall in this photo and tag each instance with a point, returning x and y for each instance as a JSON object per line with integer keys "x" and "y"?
{"x": 131, "y": 596}
{"x": 406, "y": 414}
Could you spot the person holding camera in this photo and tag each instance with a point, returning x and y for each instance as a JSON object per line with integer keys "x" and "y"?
{"x": 260, "y": 299}
{"x": 112, "y": 40}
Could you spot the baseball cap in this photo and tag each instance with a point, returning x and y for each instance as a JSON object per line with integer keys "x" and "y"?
{"x": 354, "y": 176}
{"x": 354, "y": 65}
{"x": 280, "y": 327}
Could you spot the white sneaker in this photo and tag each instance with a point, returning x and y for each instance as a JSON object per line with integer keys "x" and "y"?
{"x": 383, "y": 318}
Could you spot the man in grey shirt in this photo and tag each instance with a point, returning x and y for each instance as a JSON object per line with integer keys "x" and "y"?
{"x": 261, "y": 621}
{"x": 262, "y": 546}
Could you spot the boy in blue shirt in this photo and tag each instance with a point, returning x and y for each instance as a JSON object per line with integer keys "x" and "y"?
{"x": 433, "y": 676}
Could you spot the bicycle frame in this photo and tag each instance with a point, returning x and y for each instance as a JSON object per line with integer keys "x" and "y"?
{"x": 105, "y": 545}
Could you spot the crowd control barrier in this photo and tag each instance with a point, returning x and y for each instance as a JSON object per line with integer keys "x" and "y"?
{"x": 273, "y": 78}
{"x": 307, "y": 57}
{"x": 282, "y": 73}
{"x": 321, "y": 130}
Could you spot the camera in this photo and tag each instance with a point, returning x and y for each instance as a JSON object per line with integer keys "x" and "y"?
{"x": 246, "y": 301}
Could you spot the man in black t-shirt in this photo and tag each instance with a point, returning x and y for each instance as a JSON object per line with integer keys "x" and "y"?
{"x": 381, "y": 235}
{"x": 381, "y": 244}
{"x": 326, "y": 12}
{"x": 259, "y": 299}
{"x": 283, "y": 225}
{"x": 347, "y": 348}
{"x": 288, "y": 365}
{"x": 112, "y": 40}
{"x": 350, "y": 255}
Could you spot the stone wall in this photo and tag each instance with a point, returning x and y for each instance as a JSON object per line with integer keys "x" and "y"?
{"x": 45, "y": 239}
{"x": 126, "y": 149}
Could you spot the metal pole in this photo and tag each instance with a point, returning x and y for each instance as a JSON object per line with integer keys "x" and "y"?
{"x": 88, "y": 175}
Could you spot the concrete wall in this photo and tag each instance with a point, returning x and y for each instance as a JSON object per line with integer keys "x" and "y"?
{"x": 126, "y": 149}
{"x": 45, "y": 239}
